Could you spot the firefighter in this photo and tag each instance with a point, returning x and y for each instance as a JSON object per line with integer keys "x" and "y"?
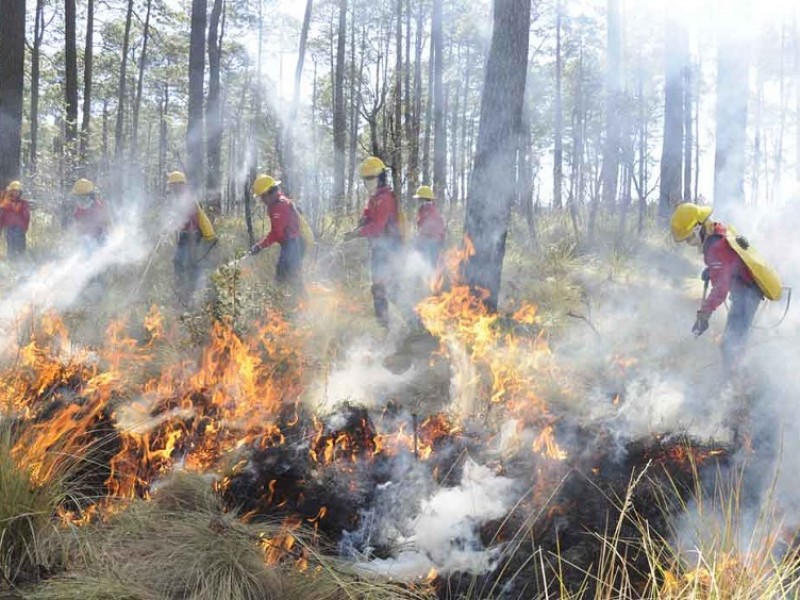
{"x": 381, "y": 224}
{"x": 285, "y": 229}
{"x": 732, "y": 268}
{"x": 90, "y": 215}
{"x": 431, "y": 229}
{"x": 15, "y": 216}
{"x": 195, "y": 237}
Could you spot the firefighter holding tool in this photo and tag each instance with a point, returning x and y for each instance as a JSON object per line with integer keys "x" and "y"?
{"x": 733, "y": 268}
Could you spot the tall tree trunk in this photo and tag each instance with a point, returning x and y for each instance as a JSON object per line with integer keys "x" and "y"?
{"x": 339, "y": 111}
{"x": 195, "y": 149}
{"x": 455, "y": 113}
{"x": 778, "y": 168}
{"x": 426, "y": 147}
{"x": 286, "y": 144}
{"x": 439, "y": 125}
{"x": 163, "y": 108}
{"x": 611, "y": 147}
{"x": 214, "y": 105}
{"x": 38, "y": 36}
{"x": 356, "y": 79}
{"x": 675, "y": 54}
{"x": 755, "y": 175}
{"x": 491, "y": 189}
{"x": 416, "y": 110}
{"x": 12, "y": 81}
{"x": 137, "y": 103}
{"x": 88, "y": 64}
{"x": 687, "y": 129}
{"x": 558, "y": 146}
{"x": 397, "y": 145}
{"x": 525, "y": 170}
{"x": 71, "y": 73}
{"x": 697, "y": 97}
{"x": 733, "y": 62}
{"x": 122, "y": 88}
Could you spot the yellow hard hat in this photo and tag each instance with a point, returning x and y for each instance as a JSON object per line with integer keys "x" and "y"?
{"x": 176, "y": 177}
{"x": 686, "y": 217}
{"x": 424, "y": 192}
{"x": 83, "y": 187}
{"x": 263, "y": 183}
{"x": 14, "y": 186}
{"x": 371, "y": 167}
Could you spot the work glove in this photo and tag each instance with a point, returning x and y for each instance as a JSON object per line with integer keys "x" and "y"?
{"x": 701, "y": 323}
{"x": 255, "y": 249}
{"x": 350, "y": 235}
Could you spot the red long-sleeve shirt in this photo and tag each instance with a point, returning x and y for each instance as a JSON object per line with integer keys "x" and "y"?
{"x": 725, "y": 268}
{"x": 430, "y": 224}
{"x": 284, "y": 224}
{"x": 380, "y": 215}
{"x": 92, "y": 220}
{"x": 15, "y": 214}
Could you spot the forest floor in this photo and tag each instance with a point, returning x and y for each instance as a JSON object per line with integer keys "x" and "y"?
{"x": 260, "y": 445}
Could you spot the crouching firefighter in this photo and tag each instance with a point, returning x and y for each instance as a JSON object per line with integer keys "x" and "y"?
{"x": 288, "y": 228}
{"x": 15, "y": 216}
{"x": 381, "y": 223}
{"x": 195, "y": 238}
{"x": 733, "y": 268}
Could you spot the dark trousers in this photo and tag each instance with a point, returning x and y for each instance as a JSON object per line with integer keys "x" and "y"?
{"x": 290, "y": 261}
{"x": 15, "y": 240}
{"x": 382, "y": 254}
{"x": 187, "y": 264}
{"x": 745, "y": 301}
{"x": 431, "y": 250}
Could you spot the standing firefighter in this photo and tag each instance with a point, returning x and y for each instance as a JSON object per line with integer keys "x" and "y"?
{"x": 381, "y": 224}
{"x": 732, "y": 267}
{"x": 431, "y": 229}
{"x": 193, "y": 233}
{"x": 90, "y": 215}
{"x": 15, "y": 216}
{"x": 286, "y": 228}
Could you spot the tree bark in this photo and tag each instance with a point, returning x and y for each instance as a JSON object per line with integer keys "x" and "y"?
{"x": 38, "y": 36}
{"x": 558, "y": 146}
{"x": 122, "y": 88}
{"x": 195, "y": 148}
{"x": 426, "y": 146}
{"x": 492, "y": 185}
{"x": 71, "y": 73}
{"x": 397, "y": 145}
{"x": 214, "y": 105}
{"x": 672, "y": 153}
{"x": 439, "y": 125}
{"x": 88, "y": 65}
{"x": 733, "y": 62}
{"x": 12, "y": 81}
{"x": 687, "y": 127}
{"x": 339, "y": 112}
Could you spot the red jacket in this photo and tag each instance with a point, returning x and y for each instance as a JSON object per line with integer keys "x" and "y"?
{"x": 430, "y": 224}
{"x": 92, "y": 220}
{"x": 284, "y": 224}
{"x": 725, "y": 268}
{"x": 380, "y": 216}
{"x": 15, "y": 214}
{"x": 192, "y": 224}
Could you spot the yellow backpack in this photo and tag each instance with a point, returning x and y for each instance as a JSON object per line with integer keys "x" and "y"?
{"x": 204, "y": 223}
{"x": 306, "y": 233}
{"x": 765, "y": 276}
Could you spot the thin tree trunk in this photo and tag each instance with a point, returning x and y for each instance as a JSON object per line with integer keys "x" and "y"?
{"x": 356, "y": 80}
{"x": 195, "y": 149}
{"x": 339, "y": 112}
{"x": 140, "y": 81}
{"x": 697, "y": 98}
{"x": 397, "y": 153}
{"x": 88, "y": 65}
{"x": 426, "y": 147}
{"x": 439, "y": 123}
{"x": 672, "y": 155}
{"x": 416, "y": 111}
{"x": 122, "y": 88}
{"x": 12, "y": 81}
{"x": 287, "y": 143}
{"x": 71, "y": 74}
{"x": 687, "y": 129}
{"x": 214, "y": 104}
{"x": 162, "y": 133}
{"x": 38, "y": 36}
{"x": 492, "y": 186}
{"x": 733, "y": 62}
{"x": 558, "y": 151}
